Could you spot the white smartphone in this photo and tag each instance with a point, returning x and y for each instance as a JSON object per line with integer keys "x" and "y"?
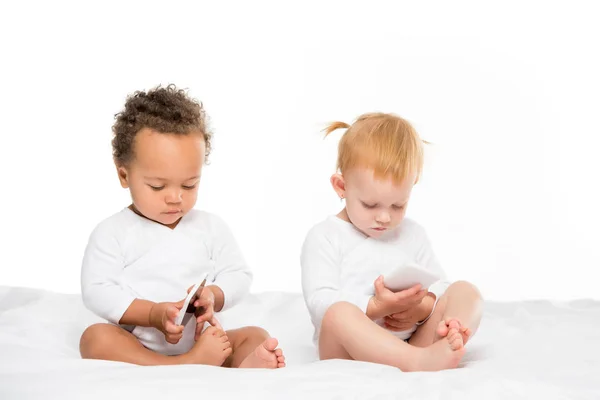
{"x": 190, "y": 300}
{"x": 408, "y": 276}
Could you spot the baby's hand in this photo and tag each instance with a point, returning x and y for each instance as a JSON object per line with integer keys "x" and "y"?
{"x": 406, "y": 319}
{"x": 162, "y": 317}
{"x": 386, "y": 302}
{"x": 205, "y": 311}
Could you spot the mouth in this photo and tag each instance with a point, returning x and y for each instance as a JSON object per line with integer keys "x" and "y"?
{"x": 379, "y": 229}
{"x": 173, "y": 212}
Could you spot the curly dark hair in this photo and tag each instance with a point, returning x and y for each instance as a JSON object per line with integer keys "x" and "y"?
{"x": 165, "y": 110}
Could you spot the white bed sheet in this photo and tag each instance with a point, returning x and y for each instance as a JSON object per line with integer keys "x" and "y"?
{"x": 526, "y": 350}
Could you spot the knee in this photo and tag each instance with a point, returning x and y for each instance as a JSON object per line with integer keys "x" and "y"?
{"x": 337, "y": 313}
{"x": 93, "y": 340}
{"x": 464, "y": 288}
{"x": 256, "y": 332}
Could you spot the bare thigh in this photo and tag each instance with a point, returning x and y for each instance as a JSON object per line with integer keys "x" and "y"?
{"x": 425, "y": 334}
{"x": 330, "y": 346}
{"x": 462, "y": 301}
{"x": 110, "y": 342}
{"x": 347, "y": 333}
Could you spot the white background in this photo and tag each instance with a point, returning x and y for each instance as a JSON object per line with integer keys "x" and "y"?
{"x": 509, "y": 94}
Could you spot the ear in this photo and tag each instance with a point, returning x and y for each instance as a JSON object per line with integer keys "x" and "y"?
{"x": 339, "y": 185}
{"x": 123, "y": 176}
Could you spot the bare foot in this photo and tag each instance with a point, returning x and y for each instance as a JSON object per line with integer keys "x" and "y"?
{"x": 212, "y": 348}
{"x": 266, "y": 355}
{"x": 452, "y": 323}
{"x": 446, "y": 353}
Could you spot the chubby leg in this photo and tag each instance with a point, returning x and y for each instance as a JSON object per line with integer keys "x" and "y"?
{"x": 346, "y": 332}
{"x": 110, "y": 342}
{"x": 460, "y": 307}
{"x": 253, "y": 348}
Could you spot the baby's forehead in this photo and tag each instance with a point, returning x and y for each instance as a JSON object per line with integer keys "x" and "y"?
{"x": 150, "y": 146}
{"x": 168, "y": 168}
{"x": 376, "y": 188}
{"x": 369, "y": 177}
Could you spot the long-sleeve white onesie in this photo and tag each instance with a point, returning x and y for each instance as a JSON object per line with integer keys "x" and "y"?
{"x": 129, "y": 257}
{"x": 340, "y": 263}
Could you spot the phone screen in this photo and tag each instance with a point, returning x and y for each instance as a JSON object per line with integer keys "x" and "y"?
{"x": 190, "y": 308}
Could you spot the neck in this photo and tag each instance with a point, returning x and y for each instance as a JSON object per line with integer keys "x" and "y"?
{"x": 135, "y": 210}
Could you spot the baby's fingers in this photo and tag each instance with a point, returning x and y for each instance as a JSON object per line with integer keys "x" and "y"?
{"x": 380, "y": 288}
{"x": 173, "y": 338}
{"x": 199, "y": 328}
{"x": 172, "y": 313}
{"x": 203, "y": 302}
{"x": 400, "y": 315}
{"x": 170, "y": 327}
{"x": 404, "y": 294}
{"x": 214, "y": 322}
{"x": 421, "y": 294}
{"x": 208, "y": 315}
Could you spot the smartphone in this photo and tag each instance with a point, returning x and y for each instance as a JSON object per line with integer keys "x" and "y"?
{"x": 188, "y": 304}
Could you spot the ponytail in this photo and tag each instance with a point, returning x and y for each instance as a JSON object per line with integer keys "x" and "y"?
{"x": 334, "y": 126}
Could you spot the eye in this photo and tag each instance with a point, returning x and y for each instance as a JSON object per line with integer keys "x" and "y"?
{"x": 189, "y": 187}
{"x": 368, "y": 206}
{"x": 156, "y": 188}
{"x": 397, "y": 207}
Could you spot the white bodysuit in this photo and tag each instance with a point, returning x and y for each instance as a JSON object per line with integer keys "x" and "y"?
{"x": 340, "y": 263}
{"x": 129, "y": 257}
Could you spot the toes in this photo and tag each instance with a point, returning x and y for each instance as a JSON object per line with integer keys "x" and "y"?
{"x": 466, "y": 336}
{"x": 280, "y": 365}
{"x": 281, "y": 359}
{"x": 270, "y": 344}
{"x": 278, "y": 352}
{"x": 442, "y": 329}
{"x": 453, "y": 324}
{"x": 458, "y": 344}
{"x": 455, "y": 339}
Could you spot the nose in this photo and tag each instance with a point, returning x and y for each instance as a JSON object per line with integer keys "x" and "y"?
{"x": 174, "y": 196}
{"x": 383, "y": 217}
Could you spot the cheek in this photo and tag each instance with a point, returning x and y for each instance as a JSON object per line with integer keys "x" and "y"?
{"x": 144, "y": 195}
{"x": 190, "y": 194}
{"x": 358, "y": 214}
{"x": 189, "y": 198}
{"x": 137, "y": 192}
{"x": 399, "y": 216}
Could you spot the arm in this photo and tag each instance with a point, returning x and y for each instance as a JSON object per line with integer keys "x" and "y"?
{"x": 101, "y": 271}
{"x": 104, "y": 294}
{"x": 417, "y": 314}
{"x": 232, "y": 275}
{"x": 386, "y": 303}
{"x": 150, "y": 314}
{"x": 219, "y": 297}
{"x": 321, "y": 277}
{"x": 427, "y": 259}
{"x": 138, "y": 313}
{"x": 425, "y": 309}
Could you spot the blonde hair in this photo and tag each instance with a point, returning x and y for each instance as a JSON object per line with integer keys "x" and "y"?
{"x": 383, "y": 142}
